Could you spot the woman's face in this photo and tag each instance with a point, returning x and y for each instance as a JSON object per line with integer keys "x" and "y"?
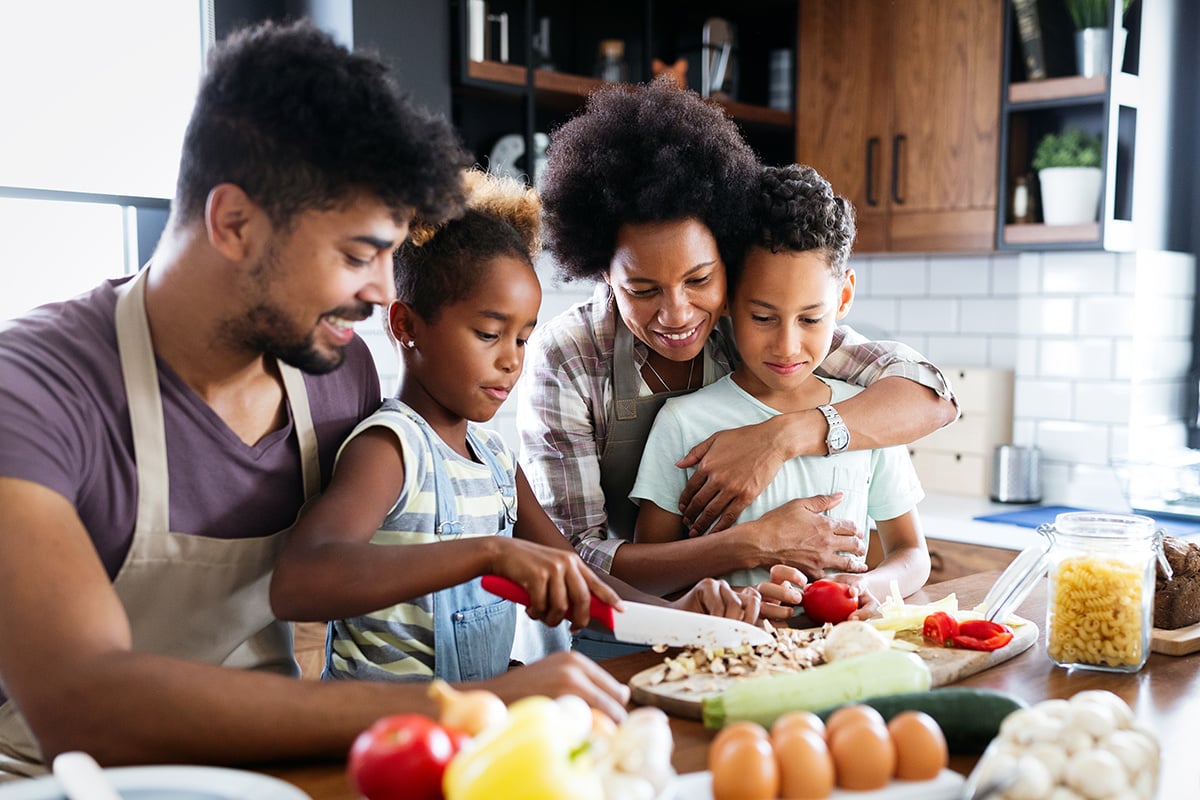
{"x": 669, "y": 283}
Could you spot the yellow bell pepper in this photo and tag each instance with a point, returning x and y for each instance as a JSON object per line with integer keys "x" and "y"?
{"x": 526, "y": 758}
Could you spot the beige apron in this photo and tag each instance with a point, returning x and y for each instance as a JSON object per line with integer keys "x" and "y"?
{"x": 191, "y": 597}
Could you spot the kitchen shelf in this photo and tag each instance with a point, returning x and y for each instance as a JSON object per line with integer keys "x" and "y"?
{"x": 1032, "y": 93}
{"x": 560, "y": 86}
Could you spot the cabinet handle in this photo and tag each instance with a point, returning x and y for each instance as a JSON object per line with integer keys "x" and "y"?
{"x": 872, "y": 143}
{"x": 897, "y": 140}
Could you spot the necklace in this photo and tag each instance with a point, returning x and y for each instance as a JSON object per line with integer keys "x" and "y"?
{"x": 665, "y": 385}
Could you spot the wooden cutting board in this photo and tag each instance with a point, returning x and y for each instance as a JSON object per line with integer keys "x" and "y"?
{"x": 946, "y": 665}
{"x": 1177, "y": 642}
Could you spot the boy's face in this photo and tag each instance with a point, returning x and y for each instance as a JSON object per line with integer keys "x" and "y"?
{"x": 464, "y": 362}
{"x": 785, "y": 308}
{"x": 668, "y": 281}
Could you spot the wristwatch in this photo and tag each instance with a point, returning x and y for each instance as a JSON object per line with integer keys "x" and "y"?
{"x": 838, "y": 438}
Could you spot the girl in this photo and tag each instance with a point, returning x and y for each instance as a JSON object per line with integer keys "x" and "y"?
{"x": 786, "y": 301}
{"x": 441, "y": 492}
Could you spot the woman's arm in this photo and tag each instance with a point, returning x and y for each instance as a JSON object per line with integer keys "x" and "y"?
{"x": 905, "y": 398}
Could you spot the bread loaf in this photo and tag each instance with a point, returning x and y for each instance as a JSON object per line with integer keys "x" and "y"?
{"x": 1177, "y": 601}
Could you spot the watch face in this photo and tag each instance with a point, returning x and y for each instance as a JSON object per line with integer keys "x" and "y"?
{"x": 839, "y": 437}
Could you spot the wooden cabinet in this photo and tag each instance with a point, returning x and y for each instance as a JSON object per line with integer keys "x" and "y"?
{"x": 949, "y": 560}
{"x": 898, "y": 105}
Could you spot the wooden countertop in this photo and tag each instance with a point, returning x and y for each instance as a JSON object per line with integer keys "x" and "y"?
{"x": 1165, "y": 697}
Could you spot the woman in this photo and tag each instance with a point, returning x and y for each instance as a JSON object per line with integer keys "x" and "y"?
{"x": 649, "y": 192}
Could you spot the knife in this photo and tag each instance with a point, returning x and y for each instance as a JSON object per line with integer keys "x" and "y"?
{"x": 642, "y": 623}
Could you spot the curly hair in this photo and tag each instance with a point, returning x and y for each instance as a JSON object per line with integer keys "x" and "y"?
{"x": 300, "y": 123}
{"x": 797, "y": 210}
{"x": 650, "y": 153}
{"x": 443, "y": 262}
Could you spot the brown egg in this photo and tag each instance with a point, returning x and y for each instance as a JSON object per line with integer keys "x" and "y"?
{"x": 920, "y": 745}
{"x": 805, "y": 765}
{"x": 859, "y": 712}
{"x": 863, "y": 756}
{"x": 743, "y": 764}
{"x": 798, "y": 719}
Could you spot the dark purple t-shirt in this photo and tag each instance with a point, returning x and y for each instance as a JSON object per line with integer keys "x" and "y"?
{"x": 64, "y": 423}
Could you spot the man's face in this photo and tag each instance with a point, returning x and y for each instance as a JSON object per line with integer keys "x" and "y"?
{"x": 315, "y": 280}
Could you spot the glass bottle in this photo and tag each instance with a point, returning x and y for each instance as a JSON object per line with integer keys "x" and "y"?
{"x": 1100, "y": 598}
{"x": 610, "y": 61}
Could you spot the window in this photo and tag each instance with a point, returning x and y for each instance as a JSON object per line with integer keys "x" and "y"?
{"x": 96, "y": 97}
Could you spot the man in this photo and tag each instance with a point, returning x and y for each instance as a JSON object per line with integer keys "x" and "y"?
{"x": 158, "y": 432}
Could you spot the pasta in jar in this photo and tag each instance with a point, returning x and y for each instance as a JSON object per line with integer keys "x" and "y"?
{"x": 1097, "y": 612}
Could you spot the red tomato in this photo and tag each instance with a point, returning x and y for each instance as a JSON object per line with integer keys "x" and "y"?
{"x": 982, "y": 634}
{"x": 828, "y": 601}
{"x": 940, "y": 628}
{"x": 401, "y": 757}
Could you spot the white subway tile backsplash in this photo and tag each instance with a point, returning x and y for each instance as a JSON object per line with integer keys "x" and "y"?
{"x": 1164, "y": 273}
{"x": 993, "y": 316}
{"x": 1037, "y": 316}
{"x": 928, "y": 316}
{"x": 868, "y": 312}
{"x": 1002, "y": 351}
{"x": 959, "y": 277}
{"x": 1029, "y": 273}
{"x": 1079, "y": 272}
{"x": 902, "y": 276}
{"x": 864, "y": 270}
{"x": 1005, "y": 269}
{"x": 1035, "y": 398}
{"x": 1127, "y": 273}
{"x": 1076, "y": 358}
{"x": 1073, "y": 442}
{"x": 1102, "y": 401}
{"x": 1027, "y": 356}
{"x": 1106, "y": 315}
{"x": 967, "y": 351}
{"x": 1159, "y": 401}
{"x": 1124, "y": 362}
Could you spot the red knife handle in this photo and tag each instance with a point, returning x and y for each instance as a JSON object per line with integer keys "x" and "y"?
{"x": 600, "y": 611}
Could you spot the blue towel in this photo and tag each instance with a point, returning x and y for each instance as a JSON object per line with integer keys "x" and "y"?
{"x": 1033, "y": 516}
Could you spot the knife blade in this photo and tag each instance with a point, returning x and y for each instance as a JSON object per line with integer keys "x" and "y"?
{"x": 641, "y": 623}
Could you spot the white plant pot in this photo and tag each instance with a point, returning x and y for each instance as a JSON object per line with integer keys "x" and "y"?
{"x": 1070, "y": 195}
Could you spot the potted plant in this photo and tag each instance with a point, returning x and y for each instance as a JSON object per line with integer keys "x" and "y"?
{"x": 1068, "y": 167}
{"x": 1094, "y": 39}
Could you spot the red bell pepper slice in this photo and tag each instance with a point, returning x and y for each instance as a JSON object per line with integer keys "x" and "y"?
{"x": 940, "y": 628}
{"x": 982, "y": 634}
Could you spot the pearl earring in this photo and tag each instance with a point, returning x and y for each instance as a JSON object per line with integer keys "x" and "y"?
{"x": 409, "y": 344}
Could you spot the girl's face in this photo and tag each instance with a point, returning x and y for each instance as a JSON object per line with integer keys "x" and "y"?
{"x": 463, "y": 364}
{"x": 669, "y": 283}
{"x": 784, "y": 310}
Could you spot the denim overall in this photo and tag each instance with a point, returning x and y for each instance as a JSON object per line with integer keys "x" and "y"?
{"x": 473, "y": 629}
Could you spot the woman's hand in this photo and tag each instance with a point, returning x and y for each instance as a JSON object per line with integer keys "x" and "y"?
{"x": 798, "y": 534}
{"x": 733, "y": 467}
{"x": 559, "y": 583}
{"x": 719, "y": 599}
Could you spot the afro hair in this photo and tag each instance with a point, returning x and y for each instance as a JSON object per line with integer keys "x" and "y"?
{"x": 649, "y": 153}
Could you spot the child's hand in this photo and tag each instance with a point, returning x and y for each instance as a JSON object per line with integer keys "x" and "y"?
{"x": 718, "y": 598}
{"x": 559, "y": 583}
{"x": 868, "y": 604}
{"x": 782, "y": 593}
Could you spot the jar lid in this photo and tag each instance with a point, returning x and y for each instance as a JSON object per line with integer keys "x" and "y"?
{"x": 1016, "y": 582}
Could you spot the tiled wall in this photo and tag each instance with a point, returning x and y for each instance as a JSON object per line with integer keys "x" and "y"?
{"x": 1099, "y": 343}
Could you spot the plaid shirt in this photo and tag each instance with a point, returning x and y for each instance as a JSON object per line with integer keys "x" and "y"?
{"x": 565, "y": 393}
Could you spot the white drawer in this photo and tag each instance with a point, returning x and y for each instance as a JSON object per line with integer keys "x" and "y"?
{"x": 952, "y": 473}
{"x": 982, "y": 389}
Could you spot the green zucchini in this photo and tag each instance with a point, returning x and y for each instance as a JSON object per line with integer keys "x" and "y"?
{"x": 764, "y": 699}
{"x": 969, "y": 718}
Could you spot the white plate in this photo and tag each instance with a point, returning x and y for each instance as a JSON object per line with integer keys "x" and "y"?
{"x": 946, "y": 786}
{"x": 169, "y": 783}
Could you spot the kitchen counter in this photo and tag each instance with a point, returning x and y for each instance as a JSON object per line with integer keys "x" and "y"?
{"x": 1165, "y": 697}
{"x": 952, "y": 518}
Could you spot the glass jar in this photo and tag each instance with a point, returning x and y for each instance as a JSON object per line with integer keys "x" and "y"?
{"x": 610, "y": 61}
{"x": 1100, "y": 594}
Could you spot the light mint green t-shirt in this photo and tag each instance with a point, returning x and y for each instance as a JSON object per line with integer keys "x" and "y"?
{"x": 878, "y": 484}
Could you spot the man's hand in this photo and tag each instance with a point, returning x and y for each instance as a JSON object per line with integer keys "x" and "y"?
{"x": 719, "y": 599}
{"x": 559, "y": 583}
{"x": 733, "y": 467}
{"x": 564, "y": 673}
{"x": 800, "y": 535}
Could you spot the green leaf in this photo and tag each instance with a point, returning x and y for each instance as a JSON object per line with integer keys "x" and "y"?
{"x": 1071, "y": 148}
